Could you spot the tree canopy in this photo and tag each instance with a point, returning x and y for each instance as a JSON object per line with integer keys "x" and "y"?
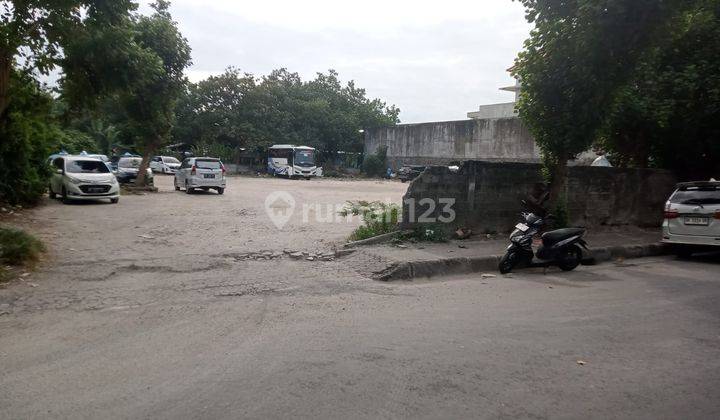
{"x": 579, "y": 57}
{"x": 241, "y": 110}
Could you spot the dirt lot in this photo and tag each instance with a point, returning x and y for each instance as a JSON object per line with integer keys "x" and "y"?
{"x": 149, "y": 309}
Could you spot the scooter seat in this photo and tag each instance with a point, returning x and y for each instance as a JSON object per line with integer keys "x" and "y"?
{"x": 555, "y": 236}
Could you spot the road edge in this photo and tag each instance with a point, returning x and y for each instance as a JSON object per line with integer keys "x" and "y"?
{"x": 409, "y": 270}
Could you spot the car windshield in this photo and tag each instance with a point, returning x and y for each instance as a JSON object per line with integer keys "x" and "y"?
{"x": 304, "y": 158}
{"x": 170, "y": 160}
{"x": 131, "y": 162}
{"x": 208, "y": 164}
{"x": 86, "y": 167}
{"x": 697, "y": 196}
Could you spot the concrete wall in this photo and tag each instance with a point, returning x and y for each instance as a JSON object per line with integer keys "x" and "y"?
{"x": 503, "y": 139}
{"x": 488, "y": 194}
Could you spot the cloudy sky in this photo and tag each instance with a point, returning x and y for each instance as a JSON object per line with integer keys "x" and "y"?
{"x": 435, "y": 60}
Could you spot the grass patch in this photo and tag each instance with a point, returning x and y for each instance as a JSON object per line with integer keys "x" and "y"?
{"x": 18, "y": 247}
{"x": 378, "y": 218}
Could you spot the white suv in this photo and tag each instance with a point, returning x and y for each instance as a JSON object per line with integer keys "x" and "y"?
{"x": 83, "y": 178}
{"x": 692, "y": 217}
{"x": 202, "y": 173}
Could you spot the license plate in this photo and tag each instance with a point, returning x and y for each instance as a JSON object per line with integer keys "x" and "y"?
{"x": 522, "y": 227}
{"x": 209, "y": 176}
{"x": 96, "y": 190}
{"x": 701, "y": 221}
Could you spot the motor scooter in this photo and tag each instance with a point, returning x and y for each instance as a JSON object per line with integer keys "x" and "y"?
{"x": 562, "y": 247}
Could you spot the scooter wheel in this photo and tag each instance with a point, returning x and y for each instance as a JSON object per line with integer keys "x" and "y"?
{"x": 571, "y": 259}
{"x": 508, "y": 262}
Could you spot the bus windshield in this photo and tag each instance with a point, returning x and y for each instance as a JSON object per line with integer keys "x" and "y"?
{"x": 305, "y": 158}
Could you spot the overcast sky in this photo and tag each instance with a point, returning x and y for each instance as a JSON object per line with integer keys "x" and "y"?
{"x": 435, "y": 60}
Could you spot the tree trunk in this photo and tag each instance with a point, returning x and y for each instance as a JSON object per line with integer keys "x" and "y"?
{"x": 150, "y": 149}
{"x": 559, "y": 172}
{"x": 5, "y": 68}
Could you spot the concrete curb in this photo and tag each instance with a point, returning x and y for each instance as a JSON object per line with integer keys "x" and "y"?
{"x": 380, "y": 239}
{"x": 463, "y": 265}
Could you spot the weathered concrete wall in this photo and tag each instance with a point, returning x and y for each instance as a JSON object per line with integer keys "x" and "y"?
{"x": 503, "y": 139}
{"x": 488, "y": 194}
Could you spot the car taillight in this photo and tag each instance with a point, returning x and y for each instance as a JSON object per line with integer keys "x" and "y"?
{"x": 671, "y": 214}
{"x": 192, "y": 170}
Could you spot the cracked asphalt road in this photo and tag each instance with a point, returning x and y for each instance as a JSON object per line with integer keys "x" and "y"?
{"x": 173, "y": 325}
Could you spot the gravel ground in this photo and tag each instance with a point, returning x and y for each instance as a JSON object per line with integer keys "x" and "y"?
{"x": 153, "y": 308}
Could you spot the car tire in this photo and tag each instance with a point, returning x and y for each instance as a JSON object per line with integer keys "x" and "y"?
{"x": 177, "y": 187}
{"x": 64, "y": 198}
{"x": 51, "y": 194}
{"x": 188, "y": 190}
{"x": 220, "y": 191}
{"x": 115, "y": 200}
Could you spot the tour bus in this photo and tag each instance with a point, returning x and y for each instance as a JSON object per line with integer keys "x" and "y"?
{"x": 293, "y": 161}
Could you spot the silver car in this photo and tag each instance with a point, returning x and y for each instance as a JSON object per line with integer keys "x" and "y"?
{"x": 692, "y": 218}
{"x": 204, "y": 173}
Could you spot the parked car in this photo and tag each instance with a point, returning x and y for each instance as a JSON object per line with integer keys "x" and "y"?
{"x": 409, "y": 172}
{"x": 127, "y": 168}
{"x": 164, "y": 164}
{"x": 103, "y": 158}
{"x": 82, "y": 178}
{"x": 203, "y": 173}
{"x": 692, "y": 218}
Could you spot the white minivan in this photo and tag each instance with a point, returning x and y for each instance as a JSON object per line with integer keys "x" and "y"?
{"x": 164, "y": 164}
{"x": 82, "y": 178}
{"x": 203, "y": 173}
{"x": 692, "y": 218}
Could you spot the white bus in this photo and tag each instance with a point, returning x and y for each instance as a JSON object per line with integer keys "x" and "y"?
{"x": 293, "y": 161}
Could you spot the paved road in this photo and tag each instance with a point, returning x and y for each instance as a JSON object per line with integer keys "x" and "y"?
{"x": 147, "y": 334}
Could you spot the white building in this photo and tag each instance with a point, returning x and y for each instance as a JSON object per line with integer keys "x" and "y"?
{"x": 503, "y": 110}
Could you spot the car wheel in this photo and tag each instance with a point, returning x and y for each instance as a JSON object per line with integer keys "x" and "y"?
{"x": 64, "y": 196}
{"x": 51, "y": 193}
{"x": 114, "y": 200}
{"x": 177, "y": 187}
{"x": 188, "y": 190}
{"x": 220, "y": 191}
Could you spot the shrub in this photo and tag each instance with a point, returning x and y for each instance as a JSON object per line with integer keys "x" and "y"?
{"x": 18, "y": 247}
{"x": 378, "y": 218}
{"x": 374, "y": 165}
{"x": 27, "y": 132}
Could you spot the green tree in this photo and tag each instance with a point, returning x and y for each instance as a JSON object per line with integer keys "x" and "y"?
{"x": 668, "y": 116}
{"x": 28, "y": 135}
{"x": 149, "y": 100}
{"x": 579, "y": 55}
{"x": 240, "y": 110}
{"x": 35, "y": 31}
